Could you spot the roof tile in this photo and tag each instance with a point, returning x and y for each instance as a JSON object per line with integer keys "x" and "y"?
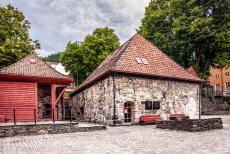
{"x": 32, "y": 65}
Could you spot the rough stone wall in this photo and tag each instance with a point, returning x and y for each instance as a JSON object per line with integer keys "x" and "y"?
{"x": 191, "y": 125}
{"x": 96, "y": 101}
{"x": 22, "y": 130}
{"x": 174, "y": 96}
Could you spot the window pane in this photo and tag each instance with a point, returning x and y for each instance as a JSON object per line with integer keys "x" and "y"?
{"x": 156, "y": 105}
{"x": 148, "y": 105}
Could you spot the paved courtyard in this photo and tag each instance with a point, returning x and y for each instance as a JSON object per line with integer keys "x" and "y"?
{"x": 129, "y": 139}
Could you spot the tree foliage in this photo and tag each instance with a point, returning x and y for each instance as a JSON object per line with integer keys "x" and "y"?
{"x": 82, "y": 58}
{"x": 222, "y": 60}
{"x": 192, "y": 32}
{"x": 55, "y": 57}
{"x": 15, "y": 42}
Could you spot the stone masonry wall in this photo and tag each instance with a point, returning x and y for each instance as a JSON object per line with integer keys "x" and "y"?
{"x": 96, "y": 101}
{"x": 21, "y": 130}
{"x": 191, "y": 125}
{"x": 174, "y": 97}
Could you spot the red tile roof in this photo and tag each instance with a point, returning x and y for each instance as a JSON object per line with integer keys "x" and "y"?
{"x": 32, "y": 66}
{"x": 192, "y": 71}
{"x": 139, "y": 56}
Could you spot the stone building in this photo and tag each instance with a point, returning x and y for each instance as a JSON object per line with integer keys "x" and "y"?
{"x": 136, "y": 79}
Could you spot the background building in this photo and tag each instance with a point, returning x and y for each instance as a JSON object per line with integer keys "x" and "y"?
{"x": 220, "y": 80}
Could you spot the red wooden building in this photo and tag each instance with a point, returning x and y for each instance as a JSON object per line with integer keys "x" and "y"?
{"x": 32, "y": 89}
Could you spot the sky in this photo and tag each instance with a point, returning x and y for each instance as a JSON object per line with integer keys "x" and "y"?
{"x": 56, "y": 22}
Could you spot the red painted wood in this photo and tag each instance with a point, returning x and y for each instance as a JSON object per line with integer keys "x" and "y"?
{"x": 36, "y": 100}
{"x": 21, "y": 78}
{"x": 19, "y": 96}
{"x": 53, "y": 98}
{"x": 149, "y": 119}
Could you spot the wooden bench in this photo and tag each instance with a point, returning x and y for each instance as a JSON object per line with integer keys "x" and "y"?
{"x": 149, "y": 119}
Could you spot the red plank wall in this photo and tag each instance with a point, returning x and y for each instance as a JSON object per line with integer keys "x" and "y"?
{"x": 20, "y": 96}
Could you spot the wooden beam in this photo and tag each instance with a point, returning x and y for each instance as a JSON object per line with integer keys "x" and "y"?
{"x": 60, "y": 95}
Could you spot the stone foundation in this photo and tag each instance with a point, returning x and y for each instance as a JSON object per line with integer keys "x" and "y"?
{"x": 191, "y": 125}
{"x": 22, "y": 130}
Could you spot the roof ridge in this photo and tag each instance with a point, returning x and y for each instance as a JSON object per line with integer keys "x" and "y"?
{"x": 52, "y": 67}
{"x": 33, "y": 52}
{"x": 166, "y": 55}
{"x": 123, "y": 60}
{"x": 40, "y": 64}
{"x": 126, "y": 46}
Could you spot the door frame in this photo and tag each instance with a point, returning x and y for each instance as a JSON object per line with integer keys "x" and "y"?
{"x": 129, "y": 115}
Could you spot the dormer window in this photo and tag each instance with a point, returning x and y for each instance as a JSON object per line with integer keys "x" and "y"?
{"x": 33, "y": 61}
{"x": 145, "y": 61}
{"x": 142, "y": 61}
{"x": 139, "y": 61}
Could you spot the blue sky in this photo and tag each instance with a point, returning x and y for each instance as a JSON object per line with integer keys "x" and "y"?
{"x": 56, "y": 22}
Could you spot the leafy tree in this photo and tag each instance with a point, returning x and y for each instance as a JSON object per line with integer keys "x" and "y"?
{"x": 15, "y": 42}
{"x": 53, "y": 57}
{"x": 222, "y": 60}
{"x": 82, "y": 58}
{"x": 192, "y": 32}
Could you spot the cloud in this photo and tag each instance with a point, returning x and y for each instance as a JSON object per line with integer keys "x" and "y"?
{"x": 43, "y": 53}
{"x": 56, "y": 22}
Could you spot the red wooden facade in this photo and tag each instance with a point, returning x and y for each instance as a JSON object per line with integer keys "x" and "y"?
{"x": 19, "y": 89}
{"x": 20, "y": 96}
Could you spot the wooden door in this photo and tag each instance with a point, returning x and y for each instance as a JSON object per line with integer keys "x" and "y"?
{"x": 128, "y": 112}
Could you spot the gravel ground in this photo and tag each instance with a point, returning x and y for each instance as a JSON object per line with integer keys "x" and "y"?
{"x": 124, "y": 140}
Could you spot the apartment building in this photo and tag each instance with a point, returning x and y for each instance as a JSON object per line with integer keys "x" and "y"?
{"x": 220, "y": 80}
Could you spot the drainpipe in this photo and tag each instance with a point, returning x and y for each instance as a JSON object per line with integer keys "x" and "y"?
{"x": 199, "y": 101}
{"x": 114, "y": 100}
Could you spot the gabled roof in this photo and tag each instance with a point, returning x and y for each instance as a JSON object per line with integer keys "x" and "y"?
{"x": 33, "y": 66}
{"x": 139, "y": 56}
{"x": 192, "y": 71}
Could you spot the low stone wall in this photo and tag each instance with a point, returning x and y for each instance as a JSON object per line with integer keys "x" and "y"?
{"x": 21, "y": 130}
{"x": 191, "y": 125}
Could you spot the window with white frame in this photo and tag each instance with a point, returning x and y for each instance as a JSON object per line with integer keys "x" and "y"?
{"x": 217, "y": 86}
{"x": 217, "y": 76}
{"x": 227, "y": 84}
{"x": 227, "y": 74}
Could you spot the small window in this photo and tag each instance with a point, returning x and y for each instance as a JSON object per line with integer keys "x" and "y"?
{"x": 227, "y": 74}
{"x": 227, "y": 84}
{"x": 152, "y": 105}
{"x": 217, "y": 86}
{"x": 148, "y": 105}
{"x": 217, "y": 76}
{"x": 156, "y": 105}
{"x": 145, "y": 61}
{"x": 139, "y": 61}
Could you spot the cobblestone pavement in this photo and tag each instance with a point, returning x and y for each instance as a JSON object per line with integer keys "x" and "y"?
{"x": 123, "y": 140}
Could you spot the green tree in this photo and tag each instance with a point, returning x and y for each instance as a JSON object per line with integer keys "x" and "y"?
{"x": 192, "y": 32}
{"x": 82, "y": 58}
{"x": 15, "y": 42}
{"x": 55, "y": 57}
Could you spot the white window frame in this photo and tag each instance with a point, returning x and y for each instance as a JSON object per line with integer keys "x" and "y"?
{"x": 227, "y": 84}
